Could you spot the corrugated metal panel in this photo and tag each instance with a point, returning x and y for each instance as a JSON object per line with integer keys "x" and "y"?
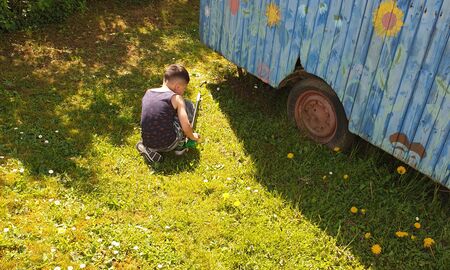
{"x": 388, "y": 61}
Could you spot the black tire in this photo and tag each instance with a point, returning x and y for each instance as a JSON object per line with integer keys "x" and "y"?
{"x": 311, "y": 99}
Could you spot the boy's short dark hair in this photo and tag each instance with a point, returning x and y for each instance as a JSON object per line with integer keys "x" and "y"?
{"x": 176, "y": 71}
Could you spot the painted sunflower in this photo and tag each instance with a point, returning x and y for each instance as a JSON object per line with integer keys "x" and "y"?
{"x": 273, "y": 14}
{"x": 388, "y": 19}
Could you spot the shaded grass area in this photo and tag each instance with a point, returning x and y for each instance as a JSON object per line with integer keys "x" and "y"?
{"x": 75, "y": 192}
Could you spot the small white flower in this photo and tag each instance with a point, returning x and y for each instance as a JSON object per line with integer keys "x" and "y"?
{"x": 160, "y": 265}
{"x": 275, "y": 215}
{"x": 205, "y": 180}
{"x": 16, "y": 128}
{"x": 2, "y": 157}
{"x": 46, "y": 141}
{"x": 53, "y": 250}
{"x": 135, "y": 247}
{"x": 110, "y": 247}
{"x": 5, "y": 230}
{"x": 100, "y": 240}
{"x": 82, "y": 265}
{"x": 88, "y": 217}
{"x": 56, "y": 131}
{"x": 228, "y": 178}
{"x": 417, "y": 218}
{"x": 50, "y": 171}
{"x": 21, "y": 132}
{"x": 110, "y": 104}
{"x": 14, "y": 170}
{"x": 218, "y": 88}
{"x": 255, "y": 86}
{"x": 21, "y": 170}
{"x": 141, "y": 253}
{"x": 248, "y": 188}
{"x": 115, "y": 252}
{"x": 73, "y": 228}
{"x": 255, "y": 191}
{"x": 116, "y": 244}
{"x": 57, "y": 202}
{"x": 167, "y": 227}
{"x": 69, "y": 267}
{"x": 40, "y": 136}
{"x": 330, "y": 173}
{"x": 57, "y": 268}
{"x": 50, "y": 200}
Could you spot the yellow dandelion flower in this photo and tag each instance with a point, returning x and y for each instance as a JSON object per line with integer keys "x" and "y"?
{"x": 345, "y": 177}
{"x": 367, "y": 235}
{"x": 417, "y": 225}
{"x": 237, "y": 203}
{"x": 273, "y": 14}
{"x": 401, "y": 234}
{"x": 226, "y": 195}
{"x": 376, "y": 249}
{"x": 413, "y": 237}
{"x": 354, "y": 210}
{"x": 336, "y": 149}
{"x": 401, "y": 170}
{"x": 290, "y": 155}
{"x": 388, "y": 19}
{"x": 428, "y": 242}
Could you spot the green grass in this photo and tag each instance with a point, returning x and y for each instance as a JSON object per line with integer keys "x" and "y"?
{"x": 85, "y": 79}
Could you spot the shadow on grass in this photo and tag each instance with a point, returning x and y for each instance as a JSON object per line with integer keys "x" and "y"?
{"x": 63, "y": 86}
{"x": 173, "y": 164}
{"x": 313, "y": 181}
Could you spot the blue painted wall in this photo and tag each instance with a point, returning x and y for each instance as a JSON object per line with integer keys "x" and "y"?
{"x": 388, "y": 62}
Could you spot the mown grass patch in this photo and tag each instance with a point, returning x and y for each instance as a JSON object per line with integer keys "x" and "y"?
{"x": 74, "y": 191}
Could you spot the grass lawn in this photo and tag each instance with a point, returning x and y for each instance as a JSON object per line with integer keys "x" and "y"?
{"x": 75, "y": 192}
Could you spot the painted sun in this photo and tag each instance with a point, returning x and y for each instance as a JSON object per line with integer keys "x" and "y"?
{"x": 273, "y": 14}
{"x": 388, "y": 19}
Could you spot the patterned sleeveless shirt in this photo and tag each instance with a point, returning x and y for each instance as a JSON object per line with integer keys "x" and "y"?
{"x": 157, "y": 119}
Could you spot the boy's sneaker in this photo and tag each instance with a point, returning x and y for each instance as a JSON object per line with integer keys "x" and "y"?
{"x": 149, "y": 155}
{"x": 180, "y": 151}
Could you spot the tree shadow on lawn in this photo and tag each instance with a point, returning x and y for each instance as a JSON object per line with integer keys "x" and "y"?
{"x": 63, "y": 86}
{"x": 313, "y": 181}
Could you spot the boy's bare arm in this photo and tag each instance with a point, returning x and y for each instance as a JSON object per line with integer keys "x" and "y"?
{"x": 180, "y": 106}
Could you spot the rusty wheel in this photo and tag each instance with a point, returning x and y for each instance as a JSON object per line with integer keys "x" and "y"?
{"x": 316, "y": 110}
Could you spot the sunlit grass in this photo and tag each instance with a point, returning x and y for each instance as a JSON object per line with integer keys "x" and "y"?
{"x": 74, "y": 191}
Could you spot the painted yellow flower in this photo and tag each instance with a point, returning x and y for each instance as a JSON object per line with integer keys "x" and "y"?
{"x": 417, "y": 225}
{"x": 345, "y": 177}
{"x": 401, "y": 234}
{"x": 388, "y": 19}
{"x": 401, "y": 170}
{"x": 226, "y": 195}
{"x": 273, "y": 14}
{"x": 367, "y": 235}
{"x": 428, "y": 242}
{"x": 290, "y": 155}
{"x": 376, "y": 249}
{"x": 354, "y": 210}
{"x": 237, "y": 203}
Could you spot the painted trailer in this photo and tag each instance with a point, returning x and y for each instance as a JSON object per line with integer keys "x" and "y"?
{"x": 375, "y": 68}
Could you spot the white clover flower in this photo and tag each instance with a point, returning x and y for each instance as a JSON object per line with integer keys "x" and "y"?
{"x": 331, "y": 173}
{"x": 40, "y": 136}
{"x": 115, "y": 252}
{"x": 167, "y": 227}
{"x": 116, "y": 244}
{"x": 82, "y": 265}
{"x": 100, "y": 240}
{"x": 50, "y": 171}
{"x": 205, "y": 180}
{"x": 160, "y": 265}
{"x": 16, "y": 128}
{"x": 56, "y": 131}
{"x": 53, "y": 250}
{"x": 46, "y": 141}
{"x": 417, "y": 218}
{"x": 135, "y": 247}
{"x": 5, "y": 230}
{"x": 74, "y": 228}
{"x": 21, "y": 132}
{"x": 57, "y": 202}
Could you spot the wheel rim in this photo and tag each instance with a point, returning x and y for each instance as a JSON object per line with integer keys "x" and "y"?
{"x": 315, "y": 114}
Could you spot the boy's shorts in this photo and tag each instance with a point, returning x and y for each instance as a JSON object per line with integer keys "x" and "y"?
{"x": 180, "y": 137}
